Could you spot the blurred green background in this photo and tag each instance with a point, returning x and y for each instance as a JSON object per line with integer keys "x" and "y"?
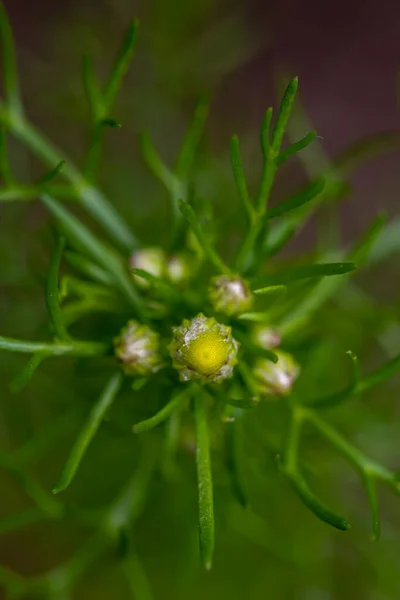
{"x": 346, "y": 56}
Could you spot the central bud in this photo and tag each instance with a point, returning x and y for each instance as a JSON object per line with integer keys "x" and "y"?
{"x": 203, "y": 349}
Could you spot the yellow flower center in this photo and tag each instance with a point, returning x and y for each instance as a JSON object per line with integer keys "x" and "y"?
{"x": 207, "y": 353}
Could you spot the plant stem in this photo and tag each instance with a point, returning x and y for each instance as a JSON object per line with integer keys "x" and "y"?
{"x": 205, "y": 484}
{"x": 54, "y": 349}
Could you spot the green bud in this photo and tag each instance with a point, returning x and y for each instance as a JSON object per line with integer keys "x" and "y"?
{"x": 276, "y": 379}
{"x": 152, "y": 260}
{"x": 203, "y": 349}
{"x": 138, "y": 349}
{"x": 179, "y": 268}
{"x": 230, "y": 295}
{"x": 266, "y": 337}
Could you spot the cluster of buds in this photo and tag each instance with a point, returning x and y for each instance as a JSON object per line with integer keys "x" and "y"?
{"x": 203, "y": 349}
{"x": 176, "y": 268}
{"x": 230, "y": 295}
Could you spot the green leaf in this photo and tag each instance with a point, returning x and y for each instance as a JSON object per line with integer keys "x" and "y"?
{"x": 240, "y": 178}
{"x": 56, "y": 349}
{"x": 209, "y": 251}
{"x": 51, "y": 174}
{"x": 157, "y": 283}
{"x": 268, "y": 166}
{"x": 88, "y": 432}
{"x": 177, "y": 400}
{"x": 120, "y": 65}
{"x": 26, "y": 374}
{"x": 314, "y": 504}
{"x": 283, "y": 115}
{"x": 311, "y": 192}
{"x": 296, "y": 147}
{"x": 192, "y": 139}
{"x": 53, "y": 293}
{"x": 370, "y": 488}
{"x": 92, "y": 90}
{"x": 88, "y": 268}
{"x": 272, "y": 290}
{"x": 85, "y": 241}
{"x": 304, "y": 272}
{"x": 158, "y": 167}
{"x": 205, "y": 484}
{"x": 10, "y": 79}
{"x": 379, "y": 375}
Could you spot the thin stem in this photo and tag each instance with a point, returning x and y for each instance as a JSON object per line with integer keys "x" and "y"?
{"x": 88, "y": 432}
{"x": 205, "y": 484}
{"x": 56, "y": 349}
{"x": 234, "y": 455}
{"x": 174, "y": 404}
{"x": 370, "y": 488}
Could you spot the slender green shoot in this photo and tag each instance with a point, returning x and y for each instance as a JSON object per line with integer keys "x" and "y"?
{"x": 304, "y": 272}
{"x": 283, "y": 115}
{"x": 298, "y": 200}
{"x": 28, "y": 371}
{"x": 53, "y": 293}
{"x": 370, "y": 489}
{"x": 121, "y": 64}
{"x": 192, "y": 139}
{"x": 209, "y": 251}
{"x": 176, "y": 402}
{"x": 92, "y": 90}
{"x": 87, "y": 242}
{"x": 296, "y": 147}
{"x": 47, "y": 177}
{"x": 54, "y": 349}
{"x": 88, "y": 432}
{"x": 205, "y": 484}
{"x": 240, "y": 178}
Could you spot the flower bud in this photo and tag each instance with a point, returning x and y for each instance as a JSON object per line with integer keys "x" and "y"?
{"x": 276, "y": 379}
{"x": 137, "y": 348}
{"x": 266, "y": 337}
{"x": 230, "y": 295}
{"x": 151, "y": 260}
{"x": 178, "y": 268}
{"x": 203, "y": 349}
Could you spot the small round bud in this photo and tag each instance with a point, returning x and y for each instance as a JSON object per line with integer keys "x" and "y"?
{"x": 266, "y": 337}
{"x": 276, "y": 379}
{"x": 203, "y": 349}
{"x": 230, "y": 295}
{"x": 178, "y": 268}
{"x": 151, "y": 260}
{"x": 137, "y": 348}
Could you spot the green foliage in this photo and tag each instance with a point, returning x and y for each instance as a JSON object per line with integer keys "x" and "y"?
{"x": 290, "y": 298}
